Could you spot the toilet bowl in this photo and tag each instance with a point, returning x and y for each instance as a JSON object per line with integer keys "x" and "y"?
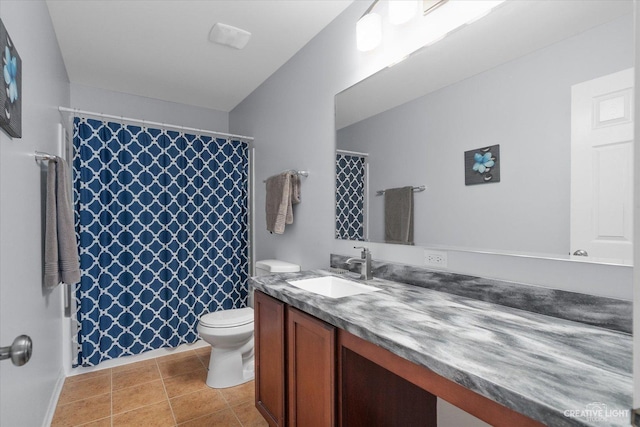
{"x": 230, "y": 334}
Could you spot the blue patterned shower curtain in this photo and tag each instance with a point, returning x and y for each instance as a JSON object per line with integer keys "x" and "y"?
{"x": 163, "y": 225}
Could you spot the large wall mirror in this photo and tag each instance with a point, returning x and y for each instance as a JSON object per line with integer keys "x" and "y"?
{"x": 551, "y": 83}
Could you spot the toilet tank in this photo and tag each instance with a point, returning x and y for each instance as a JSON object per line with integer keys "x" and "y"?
{"x": 270, "y": 266}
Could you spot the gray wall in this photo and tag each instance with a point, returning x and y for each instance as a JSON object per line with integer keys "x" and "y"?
{"x": 139, "y": 107}
{"x": 291, "y": 116}
{"x": 25, "y": 308}
{"x": 523, "y": 105}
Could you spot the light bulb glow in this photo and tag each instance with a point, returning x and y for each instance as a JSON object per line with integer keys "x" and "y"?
{"x": 454, "y": 14}
{"x": 369, "y": 32}
{"x": 401, "y": 11}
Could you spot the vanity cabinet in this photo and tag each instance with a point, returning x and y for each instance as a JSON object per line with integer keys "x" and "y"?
{"x": 312, "y": 374}
{"x": 295, "y": 366}
{"x": 372, "y": 396}
{"x": 311, "y": 370}
{"x": 269, "y": 338}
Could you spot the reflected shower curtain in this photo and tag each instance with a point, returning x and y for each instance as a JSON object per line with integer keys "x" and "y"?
{"x": 350, "y": 188}
{"x": 161, "y": 218}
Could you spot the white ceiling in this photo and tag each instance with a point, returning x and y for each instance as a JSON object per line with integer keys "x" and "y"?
{"x": 160, "y": 48}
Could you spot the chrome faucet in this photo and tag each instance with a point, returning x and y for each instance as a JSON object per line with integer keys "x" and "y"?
{"x": 364, "y": 261}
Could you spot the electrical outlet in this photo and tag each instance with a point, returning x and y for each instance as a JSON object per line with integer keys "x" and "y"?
{"x": 435, "y": 258}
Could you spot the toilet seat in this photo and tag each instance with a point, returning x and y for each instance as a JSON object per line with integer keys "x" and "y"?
{"x": 228, "y": 318}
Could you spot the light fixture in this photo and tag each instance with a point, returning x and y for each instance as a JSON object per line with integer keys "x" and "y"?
{"x": 369, "y": 31}
{"x": 401, "y": 11}
{"x": 440, "y": 17}
{"x": 229, "y": 36}
{"x": 430, "y": 5}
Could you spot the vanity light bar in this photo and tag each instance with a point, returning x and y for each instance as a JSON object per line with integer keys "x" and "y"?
{"x": 429, "y": 6}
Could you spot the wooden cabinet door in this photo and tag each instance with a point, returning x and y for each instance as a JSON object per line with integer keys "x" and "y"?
{"x": 270, "y": 341}
{"x": 311, "y": 371}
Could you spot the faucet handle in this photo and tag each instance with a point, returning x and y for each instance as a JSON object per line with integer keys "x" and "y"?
{"x": 365, "y": 250}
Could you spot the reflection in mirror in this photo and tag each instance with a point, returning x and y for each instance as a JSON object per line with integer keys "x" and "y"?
{"x": 351, "y": 195}
{"x": 555, "y": 98}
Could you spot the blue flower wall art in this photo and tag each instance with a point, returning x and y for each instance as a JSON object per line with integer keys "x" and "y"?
{"x": 482, "y": 165}
{"x": 10, "y": 71}
{"x": 11, "y": 92}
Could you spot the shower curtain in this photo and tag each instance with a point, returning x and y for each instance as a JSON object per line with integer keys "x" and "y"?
{"x": 162, "y": 225}
{"x": 350, "y": 196}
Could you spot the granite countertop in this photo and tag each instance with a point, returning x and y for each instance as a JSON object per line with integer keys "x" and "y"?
{"x": 538, "y": 365}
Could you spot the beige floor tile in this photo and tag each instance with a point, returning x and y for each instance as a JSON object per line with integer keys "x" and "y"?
{"x": 156, "y": 415}
{"x": 223, "y": 418}
{"x": 87, "y": 376}
{"x": 241, "y": 393}
{"x": 175, "y": 356}
{"x": 180, "y": 366}
{"x": 127, "y": 399}
{"x": 197, "y": 404}
{"x": 133, "y": 377}
{"x": 82, "y": 411}
{"x": 204, "y": 354}
{"x": 79, "y": 390}
{"x": 249, "y": 415}
{"x": 187, "y": 383}
{"x": 104, "y": 422}
{"x": 203, "y": 350}
{"x": 134, "y": 365}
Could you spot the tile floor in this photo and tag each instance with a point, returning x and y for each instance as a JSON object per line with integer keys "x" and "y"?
{"x": 166, "y": 391}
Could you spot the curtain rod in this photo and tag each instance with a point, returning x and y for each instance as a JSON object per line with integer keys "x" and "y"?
{"x": 147, "y": 123}
{"x": 354, "y": 153}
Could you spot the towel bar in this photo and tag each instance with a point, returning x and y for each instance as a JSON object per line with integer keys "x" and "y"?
{"x": 415, "y": 189}
{"x": 42, "y": 156}
{"x": 295, "y": 172}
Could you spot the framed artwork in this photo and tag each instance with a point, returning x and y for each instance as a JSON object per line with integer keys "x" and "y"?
{"x": 11, "y": 91}
{"x": 482, "y": 165}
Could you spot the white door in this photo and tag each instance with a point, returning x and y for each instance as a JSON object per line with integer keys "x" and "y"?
{"x": 602, "y": 166}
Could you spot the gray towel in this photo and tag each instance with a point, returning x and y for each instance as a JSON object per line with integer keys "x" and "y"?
{"x": 61, "y": 262}
{"x": 295, "y": 189}
{"x": 277, "y": 202}
{"x": 283, "y": 191}
{"x": 294, "y": 196}
{"x": 398, "y": 215}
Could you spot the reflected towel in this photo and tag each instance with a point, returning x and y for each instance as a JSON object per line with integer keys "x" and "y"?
{"x": 61, "y": 262}
{"x": 398, "y": 215}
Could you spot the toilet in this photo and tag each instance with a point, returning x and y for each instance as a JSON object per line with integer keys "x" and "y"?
{"x": 230, "y": 334}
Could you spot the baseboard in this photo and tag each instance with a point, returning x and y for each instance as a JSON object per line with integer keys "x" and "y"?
{"x": 137, "y": 358}
{"x": 53, "y": 403}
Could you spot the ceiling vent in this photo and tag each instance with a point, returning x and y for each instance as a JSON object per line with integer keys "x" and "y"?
{"x": 229, "y": 36}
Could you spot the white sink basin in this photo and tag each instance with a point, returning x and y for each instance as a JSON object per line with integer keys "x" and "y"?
{"x": 332, "y": 287}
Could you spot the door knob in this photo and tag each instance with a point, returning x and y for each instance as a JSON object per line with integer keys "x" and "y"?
{"x": 581, "y": 252}
{"x": 19, "y": 352}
